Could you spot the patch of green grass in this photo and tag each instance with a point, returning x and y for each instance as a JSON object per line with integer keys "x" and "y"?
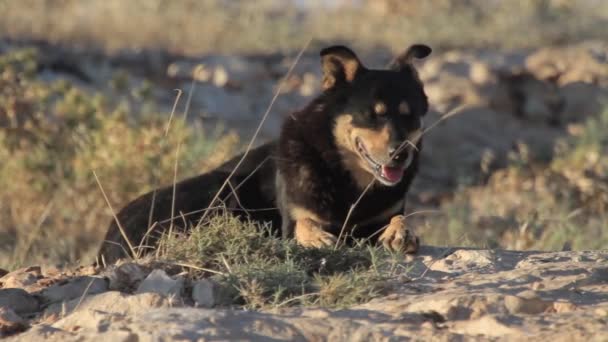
{"x": 256, "y": 270}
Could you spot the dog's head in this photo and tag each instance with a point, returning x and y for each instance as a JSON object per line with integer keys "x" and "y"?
{"x": 378, "y": 117}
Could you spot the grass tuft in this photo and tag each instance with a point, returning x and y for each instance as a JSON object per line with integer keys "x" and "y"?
{"x": 256, "y": 270}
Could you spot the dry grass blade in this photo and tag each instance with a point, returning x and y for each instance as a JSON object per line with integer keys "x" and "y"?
{"x": 33, "y": 234}
{"x": 174, "y": 186}
{"x": 177, "y": 97}
{"x": 415, "y": 140}
{"x": 177, "y": 149}
{"x": 198, "y": 268}
{"x": 84, "y": 293}
{"x": 120, "y": 227}
{"x": 167, "y": 128}
{"x": 258, "y": 129}
{"x": 351, "y": 210}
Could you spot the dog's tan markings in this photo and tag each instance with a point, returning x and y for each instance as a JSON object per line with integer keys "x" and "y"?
{"x": 309, "y": 233}
{"x": 344, "y": 138}
{"x": 343, "y": 128}
{"x": 397, "y": 237}
{"x": 376, "y": 141}
{"x": 380, "y": 108}
{"x": 339, "y": 63}
{"x": 309, "y": 228}
{"x": 404, "y": 108}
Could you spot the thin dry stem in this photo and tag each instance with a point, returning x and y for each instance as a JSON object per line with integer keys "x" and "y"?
{"x": 258, "y": 129}
{"x": 351, "y": 210}
{"x": 120, "y": 227}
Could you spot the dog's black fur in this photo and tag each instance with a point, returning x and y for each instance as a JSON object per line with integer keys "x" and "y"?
{"x": 351, "y": 135}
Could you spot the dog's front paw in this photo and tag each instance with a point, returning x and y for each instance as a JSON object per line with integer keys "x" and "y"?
{"x": 309, "y": 234}
{"x": 397, "y": 237}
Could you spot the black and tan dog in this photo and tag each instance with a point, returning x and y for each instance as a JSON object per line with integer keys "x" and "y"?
{"x": 361, "y": 135}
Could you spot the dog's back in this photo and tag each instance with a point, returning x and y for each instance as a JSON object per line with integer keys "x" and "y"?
{"x": 249, "y": 194}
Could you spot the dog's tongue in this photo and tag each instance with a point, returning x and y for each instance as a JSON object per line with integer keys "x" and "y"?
{"x": 392, "y": 174}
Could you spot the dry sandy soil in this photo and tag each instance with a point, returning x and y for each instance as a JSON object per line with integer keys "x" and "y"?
{"x": 451, "y": 294}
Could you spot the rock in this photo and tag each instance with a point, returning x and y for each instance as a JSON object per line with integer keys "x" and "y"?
{"x": 74, "y": 288}
{"x": 526, "y": 302}
{"x": 21, "y": 278}
{"x": 18, "y": 300}
{"x": 203, "y": 293}
{"x": 113, "y": 302}
{"x": 461, "y": 260}
{"x": 159, "y": 282}
{"x": 125, "y": 277}
{"x": 220, "y": 76}
{"x": 10, "y": 322}
{"x": 487, "y": 326}
{"x": 560, "y": 307}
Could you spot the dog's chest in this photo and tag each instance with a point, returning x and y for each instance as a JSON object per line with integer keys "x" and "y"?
{"x": 372, "y": 208}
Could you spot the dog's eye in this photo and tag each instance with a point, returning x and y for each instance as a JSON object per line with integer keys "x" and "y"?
{"x": 404, "y": 108}
{"x": 380, "y": 108}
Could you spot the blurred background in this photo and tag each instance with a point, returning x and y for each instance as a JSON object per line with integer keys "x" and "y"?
{"x": 90, "y": 84}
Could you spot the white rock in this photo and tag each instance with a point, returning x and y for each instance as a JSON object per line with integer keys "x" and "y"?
{"x": 112, "y": 302}
{"x": 203, "y": 293}
{"x": 159, "y": 282}
{"x": 74, "y": 288}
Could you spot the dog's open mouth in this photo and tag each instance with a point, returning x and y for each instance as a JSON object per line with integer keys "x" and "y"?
{"x": 386, "y": 174}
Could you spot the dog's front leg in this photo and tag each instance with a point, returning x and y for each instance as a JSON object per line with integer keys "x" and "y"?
{"x": 397, "y": 237}
{"x": 310, "y": 233}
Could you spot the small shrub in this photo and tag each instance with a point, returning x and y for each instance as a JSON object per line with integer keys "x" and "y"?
{"x": 258, "y": 270}
{"x": 53, "y": 134}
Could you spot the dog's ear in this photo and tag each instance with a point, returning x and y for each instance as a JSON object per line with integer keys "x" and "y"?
{"x": 405, "y": 59}
{"x": 339, "y": 64}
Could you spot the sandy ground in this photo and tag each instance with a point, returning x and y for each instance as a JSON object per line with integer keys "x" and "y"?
{"x": 451, "y": 294}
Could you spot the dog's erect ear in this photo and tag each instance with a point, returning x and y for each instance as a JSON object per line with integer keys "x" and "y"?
{"x": 340, "y": 64}
{"x": 417, "y": 51}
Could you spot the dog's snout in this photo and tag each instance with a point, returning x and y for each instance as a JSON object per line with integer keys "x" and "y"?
{"x": 395, "y": 149}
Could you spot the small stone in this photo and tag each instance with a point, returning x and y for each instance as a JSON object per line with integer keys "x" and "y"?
{"x": 74, "y": 288}
{"x": 21, "y": 278}
{"x": 203, "y": 293}
{"x": 526, "y": 302}
{"x": 316, "y": 313}
{"x": 220, "y": 77}
{"x": 125, "y": 277}
{"x": 88, "y": 270}
{"x": 602, "y": 312}
{"x": 560, "y": 307}
{"x": 10, "y": 322}
{"x": 159, "y": 282}
{"x": 537, "y": 285}
{"x": 18, "y": 300}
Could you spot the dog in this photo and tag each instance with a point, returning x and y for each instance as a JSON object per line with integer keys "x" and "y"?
{"x": 341, "y": 167}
